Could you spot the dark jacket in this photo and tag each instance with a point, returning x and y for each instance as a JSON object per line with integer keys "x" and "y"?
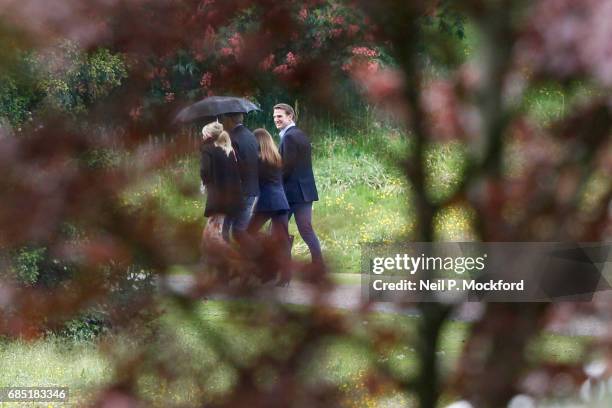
{"x": 298, "y": 178}
{"x": 219, "y": 173}
{"x": 271, "y": 192}
{"x": 247, "y": 151}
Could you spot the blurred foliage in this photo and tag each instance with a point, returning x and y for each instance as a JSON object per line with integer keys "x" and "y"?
{"x": 14, "y": 102}
{"x": 34, "y": 266}
{"x": 64, "y": 78}
{"x": 86, "y": 327}
{"x": 27, "y": 263}
{"x": 72, "y": 81}
{"x": 137, "y": 215}
{"x": 61, "y": 77}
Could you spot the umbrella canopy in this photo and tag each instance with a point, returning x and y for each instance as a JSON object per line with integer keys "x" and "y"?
{"x": 215, "y": 106}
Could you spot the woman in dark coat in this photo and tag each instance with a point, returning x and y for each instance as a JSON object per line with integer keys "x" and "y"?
{"x": 221, "y": 178}
{"x": 272, "y": 203}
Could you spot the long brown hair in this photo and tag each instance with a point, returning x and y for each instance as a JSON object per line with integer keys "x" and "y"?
{"x": 268, "y": 152}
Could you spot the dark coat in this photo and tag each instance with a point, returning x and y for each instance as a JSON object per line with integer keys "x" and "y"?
{"x": 247, "y": 150}
{"x": 219, "y": 173}
{"x": 298, "y": 178}
{"x": 271, "y": 192}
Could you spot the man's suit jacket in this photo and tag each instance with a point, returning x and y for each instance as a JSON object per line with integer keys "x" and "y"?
{"x": 247, "y": 151}
{"x": 298, "y": 178}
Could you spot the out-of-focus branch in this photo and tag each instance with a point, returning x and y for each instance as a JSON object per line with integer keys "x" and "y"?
{"x": 494, "y": 354}
{"x": 399, "y": 24}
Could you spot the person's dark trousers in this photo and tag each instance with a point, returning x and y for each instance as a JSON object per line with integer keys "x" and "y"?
{"x": 303, "y": 220}
{"x": 280, "y": 223}
{"x": 239, "y": 223}
{"x": 280, "y": 231}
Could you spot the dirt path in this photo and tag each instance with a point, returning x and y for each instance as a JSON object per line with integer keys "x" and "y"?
{"x": 347, "y": 295}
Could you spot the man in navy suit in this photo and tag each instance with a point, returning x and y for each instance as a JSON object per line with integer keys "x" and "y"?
{"x": 298, "y": 178}
{"x": 247, "y": 152}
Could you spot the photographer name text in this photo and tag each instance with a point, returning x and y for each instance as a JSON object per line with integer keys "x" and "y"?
{"x": 442, "y": 285}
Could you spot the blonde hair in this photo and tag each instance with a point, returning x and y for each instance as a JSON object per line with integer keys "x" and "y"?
{"x": 268, "y": 152}
{"x": 219, "y": 136}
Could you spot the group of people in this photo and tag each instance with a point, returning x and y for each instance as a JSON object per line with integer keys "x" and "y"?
{"x": 249, "y": 180}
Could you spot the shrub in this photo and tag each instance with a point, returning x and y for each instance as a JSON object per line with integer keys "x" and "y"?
{"x": 27, "y": 263}
{"x": 14, "y": 102}
{"x": 73, "y": 80}
{"x": 63, "y": 78}
{"x": 36, "y": 267}
{"x": 86, "y": 327}
{"x": 102, "y": 72}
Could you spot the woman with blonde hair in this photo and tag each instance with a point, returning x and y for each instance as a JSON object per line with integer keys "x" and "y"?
{"x": 221, "y": 179}
{"x": 272, "y": 203}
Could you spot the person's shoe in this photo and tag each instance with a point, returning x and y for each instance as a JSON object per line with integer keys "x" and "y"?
{"x": 284, "y": 279}
{"x": 282, "y": 283}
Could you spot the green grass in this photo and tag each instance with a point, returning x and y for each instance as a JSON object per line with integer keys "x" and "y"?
{"x": 363, "y": 194}
{"x": 221, "y": 335}
{"x": 54, "y": 361}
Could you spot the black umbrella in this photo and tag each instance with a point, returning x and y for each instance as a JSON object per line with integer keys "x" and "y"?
{"x": 215, "y": 106}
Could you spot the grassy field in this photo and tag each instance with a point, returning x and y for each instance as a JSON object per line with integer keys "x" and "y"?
{"x": 220, "y": 334}
{"x": 363, "y": 194}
